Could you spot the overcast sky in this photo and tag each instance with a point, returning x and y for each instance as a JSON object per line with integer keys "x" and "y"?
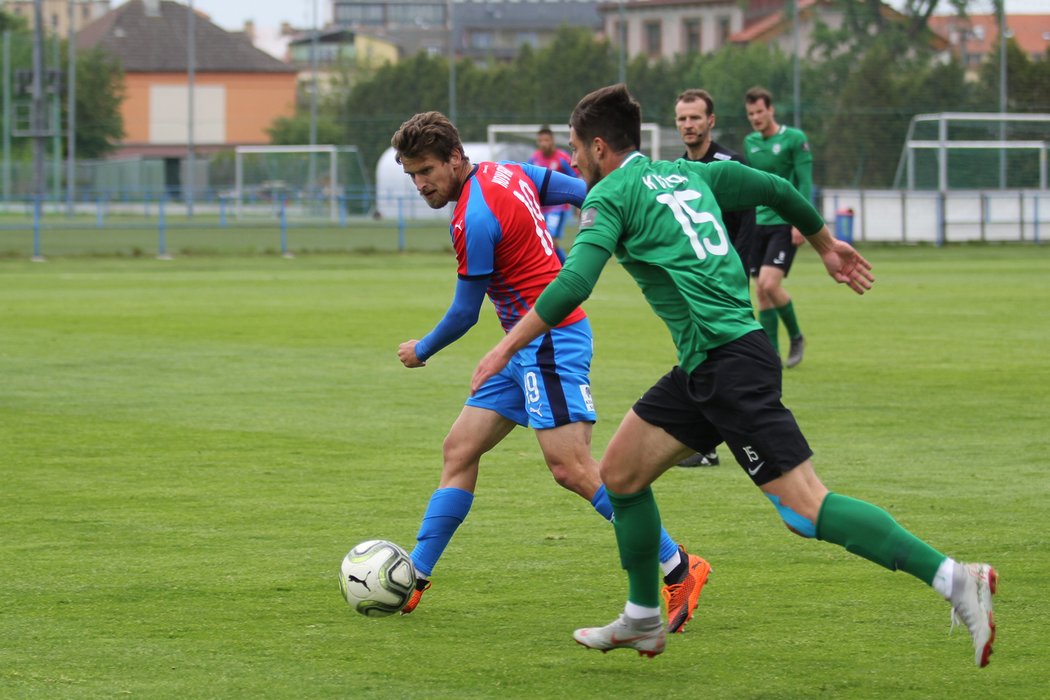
{"x": 231, "y": 14}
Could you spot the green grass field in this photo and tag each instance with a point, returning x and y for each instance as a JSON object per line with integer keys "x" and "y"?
{"x": 189, "y": 447}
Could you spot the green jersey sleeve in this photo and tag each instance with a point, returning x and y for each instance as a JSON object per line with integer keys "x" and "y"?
{"x": 737, "y": 186}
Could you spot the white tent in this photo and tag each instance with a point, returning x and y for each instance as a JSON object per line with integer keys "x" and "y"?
{"x": 395, "y": 193}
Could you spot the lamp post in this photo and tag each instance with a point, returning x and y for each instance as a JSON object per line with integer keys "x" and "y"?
{"x": 191, "y": 76}
{"x": 451, "y": 24}
{"x": 71, "y": 108}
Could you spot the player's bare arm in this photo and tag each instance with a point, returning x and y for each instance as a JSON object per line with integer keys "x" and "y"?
{"x": 530, "y": 327}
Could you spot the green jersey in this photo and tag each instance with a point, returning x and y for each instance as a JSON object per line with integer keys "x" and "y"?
{"x": 785, "y": 153}
{"x": 663, "y": 222}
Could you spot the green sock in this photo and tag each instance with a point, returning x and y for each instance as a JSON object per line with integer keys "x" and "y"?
{"x": 787, "y": 315}
{"x": 872, "y": 533}
{"x": 637, "y": 525}
{"x": 770, "y": 320}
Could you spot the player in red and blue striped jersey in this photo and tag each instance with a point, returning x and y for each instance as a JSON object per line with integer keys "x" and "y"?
{"x": 553, "y": 158}
{"x": 505, "y": 251}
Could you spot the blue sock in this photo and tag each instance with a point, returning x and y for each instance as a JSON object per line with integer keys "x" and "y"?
{"x": 600, "y": 501}
{"x": 446, "y": 510}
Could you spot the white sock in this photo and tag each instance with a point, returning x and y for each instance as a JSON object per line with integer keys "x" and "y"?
{"x": 942, "y": 580}
{"x": 668, "y": 566}
{"x": 640, "y": 612}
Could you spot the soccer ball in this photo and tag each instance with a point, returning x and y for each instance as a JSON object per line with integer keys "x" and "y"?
{"x": 377, "y": 578}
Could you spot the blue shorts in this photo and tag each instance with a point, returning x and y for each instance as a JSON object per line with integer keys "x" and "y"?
{"x": 546, "y": 384}
{"x": 556, "y": 221}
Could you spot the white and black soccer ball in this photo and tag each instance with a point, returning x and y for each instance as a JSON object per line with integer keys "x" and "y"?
{"x": 377, "y": 578}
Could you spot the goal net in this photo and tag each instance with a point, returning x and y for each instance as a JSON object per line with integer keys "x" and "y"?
{"x": 309, "y": 181}
{"x": 974, "y": 150}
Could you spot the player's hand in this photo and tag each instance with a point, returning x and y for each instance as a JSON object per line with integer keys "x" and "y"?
{"x": 847, "y": 266}
{"x": 406, "y": 352}
{"x": 797, "y": 238}
{"x": 491, "y": 364}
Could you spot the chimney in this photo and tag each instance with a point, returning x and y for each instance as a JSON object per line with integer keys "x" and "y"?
{"x": 249, "y": 29}
{"x": 152, "y": 7}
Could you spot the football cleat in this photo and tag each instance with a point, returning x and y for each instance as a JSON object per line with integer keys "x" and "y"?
{"x": 700, "y": 459}
{"x": 682, "y": 597}
{"x": 798, "y": 346}
{"x": 973, "y": 586}
{"x": 422, "y": 585}
{"x": 647, "y": 636}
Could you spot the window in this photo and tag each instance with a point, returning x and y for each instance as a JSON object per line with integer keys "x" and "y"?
{"x": 359, "y": 14}
{"x": 420, "y": 15}
{"x": 653, "y": 39}
{"x": 530, "y": 38}
{"x": 691, "y": 39}
{"x": 481, "y": 40}
{"x": 723, "y": 30}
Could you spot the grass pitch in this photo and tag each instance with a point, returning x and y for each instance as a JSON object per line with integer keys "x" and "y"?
{"x": 190, "y": 447}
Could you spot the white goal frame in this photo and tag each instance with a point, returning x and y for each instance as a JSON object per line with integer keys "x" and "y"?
{"x": 942, "y": 144}
{"x": 333, "y": 170}
{"x": 561, "y": 133}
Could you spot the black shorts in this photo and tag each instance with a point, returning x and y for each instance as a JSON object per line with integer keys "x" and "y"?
{"x": 733, "y": 396}
{"x": 771, "y": 245}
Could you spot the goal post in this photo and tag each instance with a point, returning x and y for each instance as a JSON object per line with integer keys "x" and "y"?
{"x": 962, "y": 150}
{"x": 518, "y": 141}
{"x": 315, "y": 177}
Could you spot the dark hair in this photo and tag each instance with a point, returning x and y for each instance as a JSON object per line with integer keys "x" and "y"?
{"x": 695, "y": 95}
{"x": 756, "y": 94}
{"x": 427, "y": 134}
{"x": 611, "y": 114}
{"x": 545, "y": 130}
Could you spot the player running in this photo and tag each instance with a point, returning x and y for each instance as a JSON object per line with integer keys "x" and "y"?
{"x": 504, "y": 250}
{"x": 663, "y": 221}
{"x": 552, "y": 158}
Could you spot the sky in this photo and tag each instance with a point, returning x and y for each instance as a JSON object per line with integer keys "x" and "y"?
{"x": 231, "y": 14}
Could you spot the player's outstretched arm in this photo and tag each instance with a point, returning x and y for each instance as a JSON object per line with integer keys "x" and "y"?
{"x": 530, "y": 327}
{"x": 842, "y": 261}
{"x": 460, "y": 318}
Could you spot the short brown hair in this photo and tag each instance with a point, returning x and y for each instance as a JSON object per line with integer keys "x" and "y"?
{"x": 545, "y": 130}
{"x": 695, "y": 95}
{"x": 759, "y": 93}
{"x": 427, "y": 134}
{"x": 611, "y": 114}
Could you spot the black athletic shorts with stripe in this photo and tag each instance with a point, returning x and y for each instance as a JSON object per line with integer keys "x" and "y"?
{"x": 733, "y": 396}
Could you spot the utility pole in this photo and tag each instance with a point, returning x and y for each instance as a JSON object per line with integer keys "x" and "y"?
{"x": 191, "y": 75}
{"x": 71, "y": 110}
{"x": 38, "y": 106}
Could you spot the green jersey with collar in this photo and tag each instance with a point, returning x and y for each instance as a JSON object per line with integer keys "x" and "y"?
{"x": 786, "y": 153}
{"x": 663, "y": 222}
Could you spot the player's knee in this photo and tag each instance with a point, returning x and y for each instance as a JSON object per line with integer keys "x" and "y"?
{"x": 458, "y": 456}
{"x": 793, "y": 520}
{"x": 574, "y": 477}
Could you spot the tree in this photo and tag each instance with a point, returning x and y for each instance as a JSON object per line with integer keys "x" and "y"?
{"x": 100, "y": 91}
{"x": 295, "y": 131}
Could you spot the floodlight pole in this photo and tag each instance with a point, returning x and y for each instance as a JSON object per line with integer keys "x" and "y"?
{"x": 39, "y": 103}
{"x": 71, "y": 109}
{"x": 1001, "y": 9}
{"x": 191, "y": 77}
{"x": 623, "y": 43}
{"x": 7, "y": 116}
{"x": 451, "y": 24}
{"x": 312, "y": 160}
{"x": 796, "y": 88}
